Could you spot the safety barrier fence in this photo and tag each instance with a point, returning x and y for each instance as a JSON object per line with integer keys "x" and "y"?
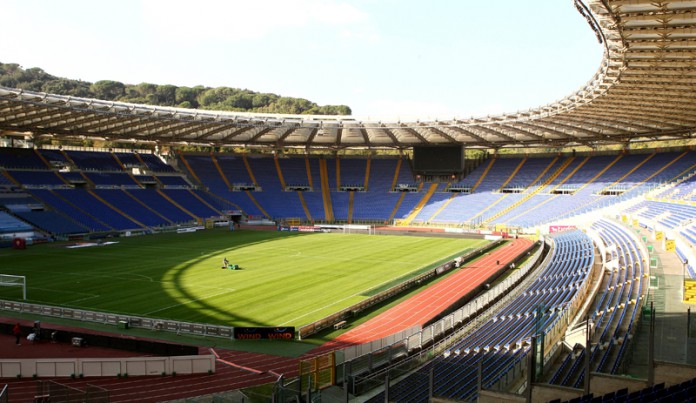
{"x": 415, "y": 339}
{"x": 373, "y": 370}
{"x": 360, "y": 367}
{"x": 123, "y": 321}
{"x": 364, "y": 367}
{"x": 93, "y": 367}
{"x": 351, "y": 311}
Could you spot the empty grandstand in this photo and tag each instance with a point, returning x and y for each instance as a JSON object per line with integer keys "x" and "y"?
{"x": 575, "y": 316}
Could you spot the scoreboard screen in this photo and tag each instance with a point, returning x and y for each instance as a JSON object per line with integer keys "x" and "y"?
{"x": 438, "y": 159}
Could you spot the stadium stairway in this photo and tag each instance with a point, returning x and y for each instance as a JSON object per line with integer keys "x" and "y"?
{"x": 419, "y": 206}
{"x": 152, "y": 210}
{"x": 517, "y": 169}
{"x": 188, "y": 167}
{"x": 281, "y": 178}
{"x": 116, "y": 209}
{"x": 490, "y": 206}
{"x": 444, "y": 205}
{"x": 304, "y": 206}
{"x": 251, "y": 173}
{"x": 483, "y": 175}
{"x": 367, "y": 172}
{"x": 220, "y": 171}
{"x": 338, "y": 172}
{"x": 569, "y": 175}
{"x": 351, "y": 200}
{"x": 118, "y": 161}
{"x": 396, "y": 176}
{"x": 326, "y": 191}
{"x": 42, "y": 158}
{"x": 179, "y": 206}
{"x": 256, "y": 203}
{"x": 309, "y": 173}
{"x": 68, "y": 158}
{"x": 396, "y": 206}
{"x": 10, "y": 178}
{"x": 534, "y": 192}
{"x": 205, "y": 202}
{"x": 640, "y": 164}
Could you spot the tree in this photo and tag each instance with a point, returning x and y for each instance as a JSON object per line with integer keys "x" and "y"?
{"x": 108, "y": 90}
{"x": 221, "y": 98}
{"x": 166, "y": 94}
{"x": 187, "y": 94}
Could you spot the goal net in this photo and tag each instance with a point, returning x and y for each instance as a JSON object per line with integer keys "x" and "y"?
{"x": 9, "y": 280}
{"x": 358, "y": 229}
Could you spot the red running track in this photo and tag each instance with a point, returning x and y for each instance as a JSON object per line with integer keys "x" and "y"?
{"x": 430, "y": 302}
{"x": 236, "y": 369}
{"x": 233, "y": 370}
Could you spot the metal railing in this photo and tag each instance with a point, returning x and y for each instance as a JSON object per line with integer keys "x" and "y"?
{"x": 125, "y": 321}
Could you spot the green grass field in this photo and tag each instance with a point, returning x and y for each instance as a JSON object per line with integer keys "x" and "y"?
{"x": 286, "y": 279}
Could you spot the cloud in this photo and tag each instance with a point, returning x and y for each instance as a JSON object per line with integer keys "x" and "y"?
{"x": 239, "y": 20}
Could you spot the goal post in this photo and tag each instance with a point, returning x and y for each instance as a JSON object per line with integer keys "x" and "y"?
{"x": 358, "y": 229}
{"x": 10, "y": 280}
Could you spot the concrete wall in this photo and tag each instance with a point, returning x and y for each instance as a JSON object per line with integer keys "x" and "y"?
{"x": 601, "y": 384}
{"x": 546, "y": 392}
{"x": 135, "y": 366}
{"x": 672, "y": 374}
{"x": 487, "y": 396}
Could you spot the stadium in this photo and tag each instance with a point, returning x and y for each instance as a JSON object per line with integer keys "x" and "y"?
{"x": 542, "y": 255}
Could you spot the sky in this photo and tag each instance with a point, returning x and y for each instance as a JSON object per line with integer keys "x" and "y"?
{"x": 386, "y": 59}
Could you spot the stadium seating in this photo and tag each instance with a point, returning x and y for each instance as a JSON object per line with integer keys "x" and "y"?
{"x": 233, "y": 167}
{"x": 614, "y": 310}
{"x": 85, "y": 201}
{"x": 93, "y": 160}
{"x": 55, "y": 201}
{"x": 37, "y": 178}
{"x": 512, "y": 191}
{"x": 10, "y": 224}
{"x": 503, "y": 341}
{"x": 154, "y": 163}
{"x": 111, "y": 179}
{"x": 53, "y": 222}
{"x": 681, "y": 392}
{"x": 132, "y": 207}
{"x": 191, "y": 202}
{"x": 20, "y": 158}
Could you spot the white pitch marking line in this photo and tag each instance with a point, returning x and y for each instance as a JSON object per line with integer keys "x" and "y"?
{"x": 189, "y": 301}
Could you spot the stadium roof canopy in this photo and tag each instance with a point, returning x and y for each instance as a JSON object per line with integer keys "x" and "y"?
{"x": 644, "y": 89}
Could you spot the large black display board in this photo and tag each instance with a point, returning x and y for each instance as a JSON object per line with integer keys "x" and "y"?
{"x": 438, "y": 159}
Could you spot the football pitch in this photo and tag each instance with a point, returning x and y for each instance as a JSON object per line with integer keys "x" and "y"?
{"x": 284, "y": 279}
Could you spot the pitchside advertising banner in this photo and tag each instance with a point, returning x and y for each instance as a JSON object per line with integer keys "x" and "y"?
{"x": 300, "y": 228}
{"x": 268, "y": 333}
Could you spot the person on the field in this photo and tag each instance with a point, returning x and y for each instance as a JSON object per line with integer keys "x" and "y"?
{"x": 225, "y": 263}
{"x": 17, "y": 332}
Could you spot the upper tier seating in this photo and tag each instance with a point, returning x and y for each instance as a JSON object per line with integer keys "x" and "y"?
{"x": 20, "y": 158}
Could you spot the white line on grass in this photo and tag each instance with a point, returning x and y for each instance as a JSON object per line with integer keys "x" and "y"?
{"x": 348, "y": 297}
{"x": 87, "y": 295}
{"x": 84, "y": 299}
{"x": 188, "y": 302}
